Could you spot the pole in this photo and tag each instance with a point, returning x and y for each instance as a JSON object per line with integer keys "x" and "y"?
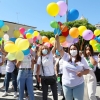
{"x": 67, "y": 11}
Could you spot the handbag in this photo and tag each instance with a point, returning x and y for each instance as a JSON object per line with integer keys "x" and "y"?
{"x": 49, "y": 80}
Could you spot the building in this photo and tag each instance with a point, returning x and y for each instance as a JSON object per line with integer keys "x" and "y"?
{"x": 97, "y": 26}
{"x": 15, "y": 26}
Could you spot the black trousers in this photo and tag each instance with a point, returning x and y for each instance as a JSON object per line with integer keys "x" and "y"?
{"x": 45, "y": 90}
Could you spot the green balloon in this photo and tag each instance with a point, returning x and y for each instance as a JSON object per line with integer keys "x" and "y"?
{"x": 54, "y": 24}
{"x": 97, "y": 45}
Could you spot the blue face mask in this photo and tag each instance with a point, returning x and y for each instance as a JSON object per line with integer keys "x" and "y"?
{"x": 57, "y": 53}
{"x": 44, "y": 51}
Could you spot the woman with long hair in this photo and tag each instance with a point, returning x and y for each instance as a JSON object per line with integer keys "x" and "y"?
{"x": 90, "y": 78}
{"x": 73, "y": 69}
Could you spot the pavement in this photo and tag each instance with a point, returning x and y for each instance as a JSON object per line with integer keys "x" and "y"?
{"x": 38, "y": 94}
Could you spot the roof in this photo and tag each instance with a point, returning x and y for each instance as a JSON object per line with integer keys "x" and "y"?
{"x": 19, "y": 24}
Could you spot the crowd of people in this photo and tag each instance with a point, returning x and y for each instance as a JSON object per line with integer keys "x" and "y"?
{"x": 66, "y": 70}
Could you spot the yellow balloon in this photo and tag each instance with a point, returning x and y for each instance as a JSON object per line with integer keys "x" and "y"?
{"x": 10, "y": 47}
{"x": 92, "y": 42}
{"x": 23, "y": 44}
{"x": 11, "y": 56}
{"x": 81, "y": 30}
{"x": 53, "y": 9}
{"x": 16, "y": 33}
{"x": 52, "y": 40}
{"x": 97, "y": 32}
{"x": 7, "y": 42}
{"x": 62, "y": 39}
{"x": 94, "y": 48}
{"x": 5, "y": 28}
{"x": 35, "y": 33}
{"x": 1, "y": 33}
{"x": 17, "y": 41}
{"x": 29, "y": 36}
{"x": 19, "y": 56}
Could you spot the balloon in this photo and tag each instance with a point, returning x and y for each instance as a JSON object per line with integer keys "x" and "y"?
{"x": 30, "y": 31}
{"x": 87, "y": 35}
{"x": 22, "y": 30}
{"x": 92, "y": 42}
{"x": 40, "y": 42}
{"x": 74, "y": 32}
{"x": 7, "y": 42}
{"x": 19, "y": 56}
{"x": 17, "y": 41}
{"x": 10, "y": 47}
{"x": 60, "y": 23}
{"x": 30, "y": 40}
{"x": 36, "y": 33}
{"x": 26, "y": 52}
{"x": 63, "y": 8}
{"x": 17, "y": 33}
{"x": 47, "y": 44}
{"x": 64, "y": 44}
{"x": 98, "y": 39}
{"x": 11, "y": 56}
{"x": 93, "y": 36}
{"x": 39, "y": 37}
{"x": 54, "y": 24}
{"x": 53, "y": 9}
{"x": 1, "y": 23}
{"x": 72, "y": 14}
{"x": 1, "y": 33}
{"x": 28, "y": 35}
{"x": 94, "y": 48}
{"x": 76, "y": 40}
{"x": 6, "y": 37}
{"x": 57, "y": 31}
{"x": 52, "y": 40}
{"x": 97, "y": 32}
{"x": 45, "y": 39}
{"x": 62, "y": 39}
{"x": 5, "y": 28}
{"x": 69, "y": 39}
{"x": 63, "y": 28}
{"x": 81, "y": 30}
{"x": 34, "y": 39}
{"x": 12, "y": 39}
{"x": 0, "y": 39}
{"x": 23, "y": 44}
{"x": 65, "y": 33}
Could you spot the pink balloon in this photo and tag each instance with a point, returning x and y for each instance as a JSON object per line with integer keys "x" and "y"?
{"x": 64, "y": 44}
{"x": 22, "y": 30}
{"x": 87, "y": 35}
{"x": 39, "y": 37}
{"x": 63, "y": 8}
{"x": 47, "y": 44}
{"x": 34, "y": 39}
{"x": 30, "y": 40}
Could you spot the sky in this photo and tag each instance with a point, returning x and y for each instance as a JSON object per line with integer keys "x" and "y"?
{"x": 33, "y": 12}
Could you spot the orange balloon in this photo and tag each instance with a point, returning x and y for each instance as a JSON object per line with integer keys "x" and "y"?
{"x": 62, "y": 39}
{"x": 74, "y": 32}
{"x": 45, "y": 39}
{"x": 63, "y": 28}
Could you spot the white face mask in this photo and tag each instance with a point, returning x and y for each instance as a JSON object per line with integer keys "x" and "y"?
{"x": 44, "y": 51}
{"x": 73, "y": 53}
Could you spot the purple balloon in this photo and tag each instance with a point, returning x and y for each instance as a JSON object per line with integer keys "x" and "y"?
{"x": 76, "y": 40}
{"x": 87, "y": 35}
{"x": 63, "y": 8}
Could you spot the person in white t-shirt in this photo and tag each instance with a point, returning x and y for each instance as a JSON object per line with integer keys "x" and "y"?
{"x": 46, "y": 63}
{"x": 90, "y": 78}
{"x": 73, "y": 69}
{"x": 99, "y": 60}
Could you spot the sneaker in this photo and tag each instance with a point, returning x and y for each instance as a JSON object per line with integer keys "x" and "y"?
{"x": 15, "y": 94}
{"x": 5, "y": 94}
{"x": 2, "y": 88}
{"x": 59, "y": 93}
{"x": 50, "y": 93}
{"x": 26, "y": 98}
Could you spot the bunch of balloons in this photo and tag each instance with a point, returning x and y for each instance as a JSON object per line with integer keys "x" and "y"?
{"x": 3, "y": 28}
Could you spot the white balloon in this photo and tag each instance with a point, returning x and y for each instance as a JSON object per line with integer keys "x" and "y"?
{"x": 6, "y": 37}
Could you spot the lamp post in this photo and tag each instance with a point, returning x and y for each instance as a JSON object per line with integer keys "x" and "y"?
{"x": 67, "y": 11}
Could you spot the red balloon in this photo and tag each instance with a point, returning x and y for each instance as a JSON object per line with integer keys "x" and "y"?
{"x": 93, "y": 37}
{"x": 24, "y": 36}
{"x": 65, "y": 33}
{"x": 60, "y": 23}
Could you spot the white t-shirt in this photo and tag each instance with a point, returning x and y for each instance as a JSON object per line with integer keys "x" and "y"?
{"x": 99, "y": 63}
{"x": 10, "y": 66}
{"x": 48, "y": 65}
{"x": 0, "y": 62}
{"x": 26, "y": 63}
{"x": 70, "y": 70}
{"x": 96, "y": 58}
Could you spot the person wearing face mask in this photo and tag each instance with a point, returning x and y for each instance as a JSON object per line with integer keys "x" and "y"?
{"x": 90, "y": 78}
{"x": 73, "y": 69}
{"x": 45, "y": 62}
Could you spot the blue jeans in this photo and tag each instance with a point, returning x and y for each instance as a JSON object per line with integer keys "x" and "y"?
{"x": 7, "y": 80}
{"x": 76, "y": 92}
{"x": 25, "y": 77}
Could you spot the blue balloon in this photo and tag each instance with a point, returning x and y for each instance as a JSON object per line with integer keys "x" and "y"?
{"x": 12, "y": 39}
{"x": 57, "y": 31}
{"x": 73, "y": 14}
{"x": 98, "y": 39}
{"x": 33, "y": 46}
{"x": 0, "y": 39}
{"x": 57, "y": 53}
{"x": 1, "y": 23}
{"x": 30, "y": 31}
{"x": 26, "y": 52}
{"x": 25, "y": 32}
